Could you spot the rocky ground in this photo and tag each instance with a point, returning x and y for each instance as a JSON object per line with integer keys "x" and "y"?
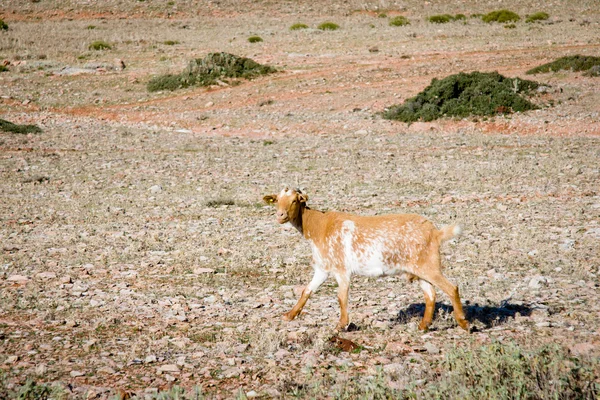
{"x": 136, "y": 253}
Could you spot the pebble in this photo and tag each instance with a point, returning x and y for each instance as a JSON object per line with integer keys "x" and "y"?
{"x": 75, "y": 374}
{"x": 537, "y": 282}
{"x": 155, "y": 189}
{"x": 18, "y": 278}
{"x": 431, "y": 348}
{"x": 168, "y": 368}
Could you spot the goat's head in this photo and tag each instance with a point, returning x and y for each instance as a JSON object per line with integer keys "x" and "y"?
{"x": 289, "y": 202}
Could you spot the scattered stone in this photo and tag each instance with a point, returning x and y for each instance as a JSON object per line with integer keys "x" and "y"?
{"x": 199, "y": 271}
{"x": 18, "y": 279}
{"x": 155, "y": 189}
{"x": 431, "y": 348}
{"x": 150, "y": 359}
{"x": 583, "y": 349}
{"x": 41, "y": 369}
{"x": 537, "y": 282}
{"x": 105, "y": 370}
{"x": 251, "y": 394}
{"x": 172, "y": 368}
{"x": 46, "y": 275}
{"x": 75, "y": 374}
{"x": 11, "y": 359}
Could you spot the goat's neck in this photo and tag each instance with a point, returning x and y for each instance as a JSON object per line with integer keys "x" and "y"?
{"x": 308, "y": 222}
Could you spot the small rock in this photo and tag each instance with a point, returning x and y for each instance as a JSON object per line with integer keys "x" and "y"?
{"x": 199, "y": 271}
{"x": 537, "y": 282}
{"x": 46, "y": 275}
{"x": 501, "y": 207}
{"x": 431, "y": 348}
{"x": 150, "y": 359}
{"x": 66, "y": 279}
{"x": 155, "y": 189}
{"x": 18, "y": 278}
{"x": 170, "y": 378}
{"x": 210, "y": 299}
{"x": 532, "y": 253}
{"x": 251, "y": 394}
{"x": 209, "y": 104}
{"x": 11, "y": 360}
{"x": 75, "y": 374}
{"x": 542, "y": 89}
{"x": 567, "y": 245}
{"x": 168, "y": 368}
{"x": 105, "y": 370}
{"x": 393, "y": 368}
{"x": 231, "y": 372}
{"x": 41, "y": 369}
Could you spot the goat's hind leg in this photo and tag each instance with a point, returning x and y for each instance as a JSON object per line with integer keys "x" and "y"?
{"x": 318, "y": 278}
{"x": 429, "y": 293}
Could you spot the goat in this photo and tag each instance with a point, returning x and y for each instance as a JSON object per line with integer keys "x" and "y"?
{"x": 345, "y": 244}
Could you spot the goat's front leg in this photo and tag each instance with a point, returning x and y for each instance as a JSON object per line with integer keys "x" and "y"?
{"x": 318, "y": 278}
{"x": 343, "y": 289}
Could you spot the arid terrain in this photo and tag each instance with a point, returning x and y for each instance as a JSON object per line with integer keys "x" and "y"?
{"x": 136, "y": 253}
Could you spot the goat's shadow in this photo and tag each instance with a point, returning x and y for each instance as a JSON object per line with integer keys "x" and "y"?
{"x": 488, "y": 315}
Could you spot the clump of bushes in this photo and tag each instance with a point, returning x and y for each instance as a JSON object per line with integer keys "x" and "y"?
{"x": 594, "y": 71}
{"x": 298, "y": 26}
{"x": 328, "y": 26}
{"x": 463, "y": 95}
{"x": 171, "y": 42}
{"x": 538, "y": 16}
{"x": 399, "y": 21}
{"x": 99, "y": 45}
{"x": 7, "y": 126}
{"x": 445, "y": 18}
{"x": 575, "y": 63}
{"x": 3, "y": 68}
{"x": 255, "y": 39}
{"x": 501, "y": 16}
{"x": 3, "y": 25}
{"x": 209, "y": 70}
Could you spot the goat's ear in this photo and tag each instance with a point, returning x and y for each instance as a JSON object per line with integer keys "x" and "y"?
{"x": 270, "y": 198}
{"x": 303, "y": 197}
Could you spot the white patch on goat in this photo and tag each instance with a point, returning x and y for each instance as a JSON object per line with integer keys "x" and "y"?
{"x": 364, "y": 258}
{"x": 427, "y": 288}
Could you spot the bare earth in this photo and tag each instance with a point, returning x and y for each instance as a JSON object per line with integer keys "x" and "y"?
{"x": 122, "y": 270}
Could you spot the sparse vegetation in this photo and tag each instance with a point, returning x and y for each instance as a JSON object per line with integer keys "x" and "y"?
{"x": 399, "y": 21}
{"x": 7, "y": 126}
{"x": 3, "y": 68}
{"x": 510, "y": 26}
{"x": 445, "y": 18}
{"x": 90, "y": 27}
{"x": 508, "y": 371}
{"x": 298, "y": 26}
{"x": 171, "y": 42}
{"x": 569, "y": 63}
{"x": 594, "y": 71}
{"x": 99, "y": 45}
{"x": 501, "y": 16}
{"x": 210, "y": 70}
{"x": 328, "y": 26}
{"x": 255, "y": 39}
{"x": 440, "y": 19}
{"x": 538, "y": 16}
{"x": 3, "y": 25}
{"x": 465, "y": 94}
{"x": 220, "y": 202}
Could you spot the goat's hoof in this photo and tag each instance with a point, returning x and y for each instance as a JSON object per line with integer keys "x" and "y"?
{"x": 423, "y": 327}
{"x": 464, "y": 324}
{"x": 287, "y": 317}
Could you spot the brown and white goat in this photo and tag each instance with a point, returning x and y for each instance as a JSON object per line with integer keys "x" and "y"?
{"x": 345, "y": 244}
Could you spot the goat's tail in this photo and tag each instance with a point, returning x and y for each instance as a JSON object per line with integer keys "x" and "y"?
{"x": 449, "y": 231}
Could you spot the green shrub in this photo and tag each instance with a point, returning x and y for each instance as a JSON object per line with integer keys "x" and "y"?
{"x": 328, "y": 26}
{"x": 460, "y": 17}
{"x": 538, "y": 16}
{"x": 510, "y": 26}
{"x": 3, "y": 25}
{"x": 463, "y": 95}
{"x": 501, "y": 16}
{"x": 90, "y": 27}
{"x": 3, "y": 68}
{"x": 575, "y": 63}
{"x": 255, "y": 39}
{"x": 7, "y": 126}
{"x": 298, "y": 26}
{"x": 399, "y": 21}
{"x": 170, "y": 42}
{"x": 440, "y": 19}
{"x": 207, "y": 71}
{"x": 382, "y": 15}
{"x": 99, "y": 45}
